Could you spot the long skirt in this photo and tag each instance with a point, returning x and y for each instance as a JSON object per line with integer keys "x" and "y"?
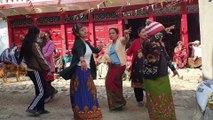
{"x": 114, "y": 87}
{"x": 159, "y": 99}
{"x": 83, "y": 96}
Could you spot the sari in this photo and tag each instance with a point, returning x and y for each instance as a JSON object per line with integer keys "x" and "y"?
{"x": 180, "y": 57}
{"x": 83, "y": 96}
{"x": 159, "y": 99}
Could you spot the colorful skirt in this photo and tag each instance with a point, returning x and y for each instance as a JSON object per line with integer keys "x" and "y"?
{"x": 114, "y": 87}
{"x": 159, "y": 99}
{"x": 83, "y": 96}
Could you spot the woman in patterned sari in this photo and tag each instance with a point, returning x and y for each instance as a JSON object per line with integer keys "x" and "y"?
{"x": 82, "y": 71}
{"x": 156, "y": 80}
{"x": 180, "y": 55}
{"x": 116, "y": 57}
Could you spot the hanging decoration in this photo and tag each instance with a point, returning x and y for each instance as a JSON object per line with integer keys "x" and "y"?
{"x": 84, "y": 15}
{"x": 12, "y": 11}
{"x": 3, "y": 7}
{"x": 110, "y": 1}
{"x": 61, "y": 11}
{"x": 4, "y": 18}
{"x": 168, "y": 6}
{"x": 104, "y": 3}
{"x": 161, "y": 3}
{"x": 31, "y": 6}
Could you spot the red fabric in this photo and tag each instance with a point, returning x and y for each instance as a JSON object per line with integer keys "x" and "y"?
{"x": 48, "y": 77}
{"x": 114, "y": 87}
{"x": 101, "y": 52}
{"x": 180, "y": 57}
{"x": 114, "y": 78}
{"x": 153, "y": 28}
{"x": 134, "y": 48}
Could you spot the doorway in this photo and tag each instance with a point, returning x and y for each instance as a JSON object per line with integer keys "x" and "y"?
{"x": 171, "y": 40}
{"x": 134, "y": 24}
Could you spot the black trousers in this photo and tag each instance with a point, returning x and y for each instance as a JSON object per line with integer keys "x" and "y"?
{"x": 51, "y": 89}
{"x": 41, "y": 90}
{"x": 139, "y": 94}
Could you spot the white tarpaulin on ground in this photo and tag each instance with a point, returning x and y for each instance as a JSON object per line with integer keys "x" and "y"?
{"x": 206, "y": 30}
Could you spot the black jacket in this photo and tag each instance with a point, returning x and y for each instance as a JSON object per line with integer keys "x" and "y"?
{"x": 37, "y": 61}
{"x": 78, "y": 50}
{"x": 156, "y": 59}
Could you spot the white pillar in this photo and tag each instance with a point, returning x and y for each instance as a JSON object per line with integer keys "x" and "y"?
{"x": 206, "y": 30}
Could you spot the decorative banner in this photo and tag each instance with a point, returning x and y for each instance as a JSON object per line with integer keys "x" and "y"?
{"x": 31, "y": 6}
{"x": 12, "y": 11}
{"x": 98, "y": 6}
{"x": 161, "y": 3}
{"x": 104, "y": 3}
{"x": 110, "y": 1}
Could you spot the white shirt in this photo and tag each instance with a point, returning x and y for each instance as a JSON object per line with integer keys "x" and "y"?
{"x": 197, "y": 51}
{"x": 87, "y": 56}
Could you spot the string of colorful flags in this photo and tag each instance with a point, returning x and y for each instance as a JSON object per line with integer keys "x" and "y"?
{"x": 14, "y": 12}
{"x": 162, "y": 4}
{"x": 103, "y": 4}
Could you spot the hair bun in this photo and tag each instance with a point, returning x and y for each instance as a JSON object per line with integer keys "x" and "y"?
{"x": 76, "y": 28}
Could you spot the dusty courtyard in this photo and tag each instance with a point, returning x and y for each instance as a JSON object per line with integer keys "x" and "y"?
{"x": 15, "y": 97}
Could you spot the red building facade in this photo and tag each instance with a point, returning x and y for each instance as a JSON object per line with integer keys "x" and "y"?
{"x": 184, "y": 15}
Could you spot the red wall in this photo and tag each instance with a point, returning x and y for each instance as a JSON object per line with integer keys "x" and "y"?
{"x": 62, "y": 31}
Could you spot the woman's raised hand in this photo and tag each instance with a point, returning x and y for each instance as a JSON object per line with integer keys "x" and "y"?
{"x": 127, "y": 32}
{"x": 100, "y": 46}
{"x": 168, "y": 29}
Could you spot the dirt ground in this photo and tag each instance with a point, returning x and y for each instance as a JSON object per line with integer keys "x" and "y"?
{"x": 13, "y": 107}
{"x": 13, "y": 103}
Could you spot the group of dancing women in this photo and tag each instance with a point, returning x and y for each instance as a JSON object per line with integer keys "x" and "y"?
{"x": 82, "y": 72}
